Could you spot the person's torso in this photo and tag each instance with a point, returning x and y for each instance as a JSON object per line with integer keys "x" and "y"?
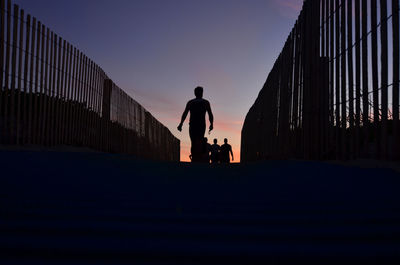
{"x": 215, "y": 148}
{"x": 198, "y": 109}
{"x": 225, "y": 148}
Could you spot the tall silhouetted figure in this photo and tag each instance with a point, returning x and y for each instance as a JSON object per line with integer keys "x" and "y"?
{"x": 226, "y": 149}
{"x": 215, "y": 148}
{"x": 197, "y": 124}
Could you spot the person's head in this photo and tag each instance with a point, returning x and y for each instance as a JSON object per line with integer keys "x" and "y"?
{"x": 225, "y": 140}
{"x": 215, "y": 141}
{"x": 198, "y": 92}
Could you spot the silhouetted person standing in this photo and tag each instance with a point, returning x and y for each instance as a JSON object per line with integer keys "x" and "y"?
{"x": 197, "y": 124}
{"x": 206, "y": 151}
{"x": 215, "y": 148}
{"x": 226, "y": 149}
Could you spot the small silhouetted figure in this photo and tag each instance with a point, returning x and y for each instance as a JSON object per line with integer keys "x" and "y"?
{"x": 215, "y": 148}
{"x": 226, "y": 149}
{"x": 206, "y": 151}
{"x": 197, "y": 124}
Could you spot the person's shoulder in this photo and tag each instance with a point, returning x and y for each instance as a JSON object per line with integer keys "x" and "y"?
{"x": 206, "y": 101}
{"x": 190, "y": 102}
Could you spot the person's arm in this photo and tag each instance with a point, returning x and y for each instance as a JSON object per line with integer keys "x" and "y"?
{"x": 230, "y": 150}
{"x": 210, "y": 116}
{"x": 184, "y": 115}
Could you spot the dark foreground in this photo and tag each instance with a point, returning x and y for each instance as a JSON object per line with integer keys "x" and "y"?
{"x": 88, "y": 208}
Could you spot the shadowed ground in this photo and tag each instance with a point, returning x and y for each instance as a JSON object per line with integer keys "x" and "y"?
{"x": 93, "y": 208}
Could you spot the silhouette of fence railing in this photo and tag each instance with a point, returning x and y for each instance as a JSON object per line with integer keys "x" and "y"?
{"x": 52, "y": 94}
{"x": 333, "y": 92}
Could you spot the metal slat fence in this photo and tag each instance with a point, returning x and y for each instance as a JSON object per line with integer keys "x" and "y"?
{"x": 52, "y": 94}
{"x": 333, "y": 92}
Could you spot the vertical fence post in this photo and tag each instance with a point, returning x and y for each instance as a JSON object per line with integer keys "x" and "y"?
{"x": 20, "y": 56}
{"x": 290, "y": 143}
{"x": 90, "y": 104}
{"x": 337, "y": 79}
{"x": 85, "y": 102}
{"x": 396, "y": 80}
{"x": 375, "y": 85}
{"x": 82, "y": 107}
{"x": 343, "y": 150}
{"x": 59, "y": 91}
{"x": 327, "y": 77}
{"x": 78, "y": 121}
{"x": 31, "y": 83}
{"x": 321, "y": 89}
{"x": 101, "y": 89}
{"x": 50, "y": 115}
{"x": 37, "y": 95}
{"x": 306, "y": 78}
{"x": 365, "y": 92}
{"x": 384, "y": 77}
{"x": 98, "y": 109}
{"x": 86, "y": 131}
{"x": 317, "y": 81}
{"x": 332, "y": 80}
{"x": 2, "y": 93}
{"x": 25, "y": 108}
{"x": 54, "y": 92}
{"x": 357, "y": 77}
{"x": 13, "y": 120}
{"x": 350, "y": 135}
{"x": 90, "y": 107}
{"x": 7, "y": 71}
{"x": 45, "y": 68}
{"x": 62, "y": 96}
{"x": 74, "y": 97}
{"x": 107, "y": 99}
{"x": 67, "y": 99}
{"x": 296, "y": 89}
{"x": 43, "y": 95}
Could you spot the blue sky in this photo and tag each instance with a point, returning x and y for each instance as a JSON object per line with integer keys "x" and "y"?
{"x": 158, "y": 51}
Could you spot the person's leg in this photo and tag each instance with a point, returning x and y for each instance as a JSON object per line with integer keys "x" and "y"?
{"x": 192, "y": 137}
{"x": 197, "y": 149}
{"x": 225, "y": 159}
{"x": 202, "y": 145}
{"x": 197, "y": 138}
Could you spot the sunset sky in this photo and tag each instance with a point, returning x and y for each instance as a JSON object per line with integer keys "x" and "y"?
{"x": 158, "y": 51}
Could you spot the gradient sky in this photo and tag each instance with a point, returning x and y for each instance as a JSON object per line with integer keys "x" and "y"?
{"x": 158, "y": 51}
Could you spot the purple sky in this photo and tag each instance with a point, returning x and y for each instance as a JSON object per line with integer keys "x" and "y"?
{"x": 158, "y": 51}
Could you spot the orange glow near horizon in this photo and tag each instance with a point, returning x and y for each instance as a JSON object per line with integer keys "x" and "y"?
{"x": 185, "y": 152}
{"x": 231, "y": 131}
